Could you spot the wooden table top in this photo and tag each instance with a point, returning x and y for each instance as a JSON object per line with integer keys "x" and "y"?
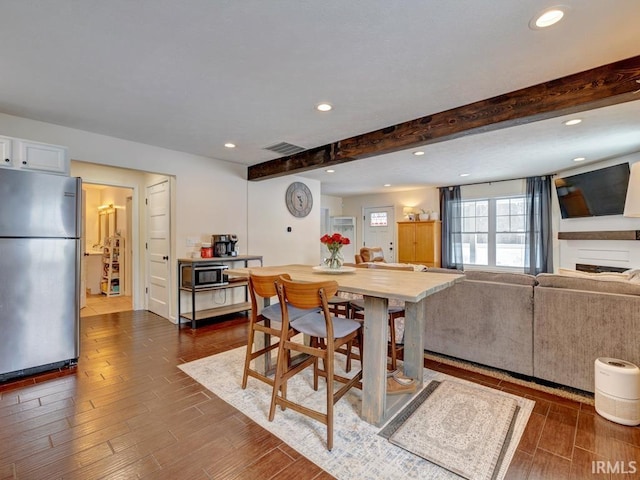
{"x": 404, "y": 285}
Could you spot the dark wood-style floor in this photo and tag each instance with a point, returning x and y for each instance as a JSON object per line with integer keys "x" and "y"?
{"x": 126, "y": 411}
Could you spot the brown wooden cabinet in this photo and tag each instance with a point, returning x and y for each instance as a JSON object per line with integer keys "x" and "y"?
{"x": 419, "y": 242}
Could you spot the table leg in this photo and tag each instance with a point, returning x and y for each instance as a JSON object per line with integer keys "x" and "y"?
{"x": 374, "y": 367}
{"x": 413, "y": 340}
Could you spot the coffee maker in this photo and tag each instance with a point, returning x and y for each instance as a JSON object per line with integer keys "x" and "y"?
{"x": 224, "y": 245}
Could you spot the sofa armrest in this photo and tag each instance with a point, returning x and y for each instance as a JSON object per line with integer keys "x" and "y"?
{"x": 573, "y": 327}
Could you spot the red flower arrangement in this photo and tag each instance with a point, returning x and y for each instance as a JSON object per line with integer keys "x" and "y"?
{"x": 334, "y": 243}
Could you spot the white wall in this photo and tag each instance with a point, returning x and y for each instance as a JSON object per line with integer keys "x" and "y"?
{"x": 426, "y": 198}
{"x": 208, "y": 196}
{"x": 493, "y": 189}
{"x": 616, "y": 253}
{"x": 269, "y": 219}
{"x": 333, "y": 205}
{"x": 567, "y": 253}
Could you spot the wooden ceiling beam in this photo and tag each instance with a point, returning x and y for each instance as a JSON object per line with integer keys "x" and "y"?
{"x": 610, "y": 84}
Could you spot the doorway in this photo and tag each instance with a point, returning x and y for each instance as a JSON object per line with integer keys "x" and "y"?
{"x": 106, "y": 274}
{"x": 379, "y": 230}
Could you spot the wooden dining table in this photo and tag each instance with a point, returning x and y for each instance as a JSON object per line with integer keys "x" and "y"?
{"x": 377, "y": 286}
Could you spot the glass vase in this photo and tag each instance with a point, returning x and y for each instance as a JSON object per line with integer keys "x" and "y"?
{"x": 335, "y": 259}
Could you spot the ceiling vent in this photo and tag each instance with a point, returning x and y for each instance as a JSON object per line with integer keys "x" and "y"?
{"x": 284, "y": 148}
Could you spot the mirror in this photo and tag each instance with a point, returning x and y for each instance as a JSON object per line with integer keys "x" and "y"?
{"x": 108, "y": 223}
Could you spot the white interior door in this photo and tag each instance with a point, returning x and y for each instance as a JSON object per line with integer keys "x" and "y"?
{"x": 379, "y": 230}
{"x": 158, "y": 247}
{"x": 83, "y": 261}
{"x": 128, "y": 264}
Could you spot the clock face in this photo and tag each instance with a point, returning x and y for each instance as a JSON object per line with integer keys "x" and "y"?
{"x": 299, "y": 199}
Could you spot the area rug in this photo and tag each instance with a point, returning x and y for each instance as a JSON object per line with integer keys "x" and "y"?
{"x": 462, "y": 428}
{"x": 358, "y": 451}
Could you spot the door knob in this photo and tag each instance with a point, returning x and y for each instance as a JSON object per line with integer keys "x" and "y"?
{"x": 166, "y": 257}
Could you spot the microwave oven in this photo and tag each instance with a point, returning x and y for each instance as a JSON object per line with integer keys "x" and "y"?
{"x": 204, "y": 276}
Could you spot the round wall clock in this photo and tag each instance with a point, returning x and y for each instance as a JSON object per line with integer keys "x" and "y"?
{"x": 299, "y": 199}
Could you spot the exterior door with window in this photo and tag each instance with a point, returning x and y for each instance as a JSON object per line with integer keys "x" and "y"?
{"x": 379, "y": 230}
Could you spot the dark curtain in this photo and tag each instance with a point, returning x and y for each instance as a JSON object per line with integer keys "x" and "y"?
{"x": 451, "y": 215}
{"x": 538, "y": 256}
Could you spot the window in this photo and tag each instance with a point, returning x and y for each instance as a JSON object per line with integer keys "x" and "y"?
{"x": 493, "y": 232}
{"x": 378, "y": 219}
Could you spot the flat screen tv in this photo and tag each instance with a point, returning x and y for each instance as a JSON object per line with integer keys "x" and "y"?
{"x": 595, "y": 193}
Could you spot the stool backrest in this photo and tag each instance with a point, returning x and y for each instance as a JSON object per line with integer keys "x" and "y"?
{"x": 263, "y": 286}
{"x": 308, "y": 294}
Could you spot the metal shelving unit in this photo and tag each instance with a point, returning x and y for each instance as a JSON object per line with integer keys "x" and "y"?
{"x": 111, "y": 284}
{"x": 201, "y": 314}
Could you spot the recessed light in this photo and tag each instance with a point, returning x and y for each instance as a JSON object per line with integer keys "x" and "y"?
{"x": 230, "y": 145}
{"x": 573, "y": 121}
{"x": 579, "y": 159}
{"x": 387, "y": 185}
{"x": 331, "y": 170}
{"x": 464, "y": 174}
{"x": 418, "y": 153}
{"x": 547, "y": 17}
{"x": 323, "y": 107}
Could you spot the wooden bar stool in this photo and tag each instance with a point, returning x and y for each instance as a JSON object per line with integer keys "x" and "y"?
{"x": 394, "y": 312}
{"x": 268, "y": 322}
{"x": 333, "y": 331}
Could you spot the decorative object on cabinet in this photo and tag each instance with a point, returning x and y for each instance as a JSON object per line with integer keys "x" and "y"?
{"x": 112, "y": 284}
{"x": 419, "y": 242}
{"x": 408, "y": 213}
{"x": 190, "y": 266}
{"x": 24, "y": 154}
{"x": 299, "y": 199}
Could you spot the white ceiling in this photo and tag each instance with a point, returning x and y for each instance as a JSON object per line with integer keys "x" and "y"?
{"x": 191, "y": 75}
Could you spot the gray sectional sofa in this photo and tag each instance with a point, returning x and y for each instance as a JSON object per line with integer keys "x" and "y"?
{"x": 550, "y": 327}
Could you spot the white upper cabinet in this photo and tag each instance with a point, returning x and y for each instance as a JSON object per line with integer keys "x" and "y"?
{"x": 43, "y": 157}
{"x": 36, "y": 156}
{"x": 5, "y": 149}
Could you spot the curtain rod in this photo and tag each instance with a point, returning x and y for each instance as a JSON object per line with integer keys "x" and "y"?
{"x": 497, "y": 181}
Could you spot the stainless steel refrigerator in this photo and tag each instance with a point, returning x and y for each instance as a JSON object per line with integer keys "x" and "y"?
{"x": 40, "y": 225}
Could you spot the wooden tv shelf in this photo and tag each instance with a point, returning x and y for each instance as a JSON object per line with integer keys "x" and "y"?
{"x": 602, "y": 235}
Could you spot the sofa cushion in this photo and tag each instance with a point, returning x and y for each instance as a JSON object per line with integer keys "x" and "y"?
{"x": 395, "y": 266}
{"x": 500, "y": 277}
{"x": 588, "y": 284}
{"x": 573, "y": 326}
{"x": 615, "y": 276}
{"x": 443, "y": 270}
{"x": 487, "y": 322}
